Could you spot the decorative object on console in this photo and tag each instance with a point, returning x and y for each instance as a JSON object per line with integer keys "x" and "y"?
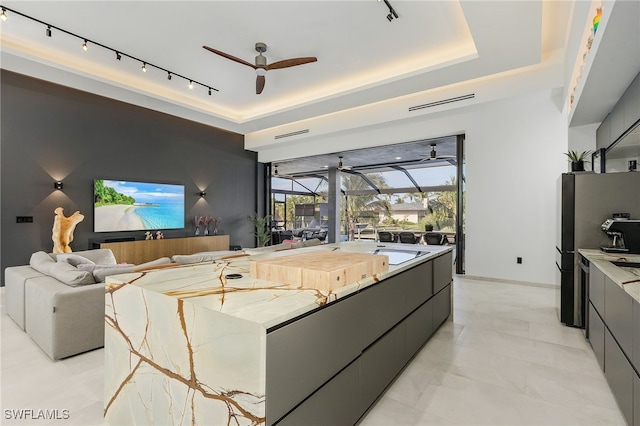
{"x": 578, "y": 159}
{"x": 159, "y": 235}
{"x": 63, "y": 227}
{"x": 148, "y": 236}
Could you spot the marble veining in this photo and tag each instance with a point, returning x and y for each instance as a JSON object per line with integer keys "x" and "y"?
{"x": 168, "y": 362}
{"x": 187, "y": 345}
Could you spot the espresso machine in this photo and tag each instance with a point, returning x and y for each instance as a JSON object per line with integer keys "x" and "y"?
{"x": 625, "y": 233}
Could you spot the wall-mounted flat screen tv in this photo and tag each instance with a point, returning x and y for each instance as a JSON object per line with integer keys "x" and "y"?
{"x": 137, "y": 206}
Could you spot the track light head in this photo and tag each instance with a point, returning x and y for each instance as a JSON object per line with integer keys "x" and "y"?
{"x": 168, "y": 76}
{"x": 144, "y": 67}
{"x": 118, "y": 56}
{"x": 3, "y": 15}
{"x": 389, "y": 17}
{"x": 209, "y": 91}
{"x": 84, "y": 45}
{"x": 48, "y": 31}
{"x": 190, "y": 84}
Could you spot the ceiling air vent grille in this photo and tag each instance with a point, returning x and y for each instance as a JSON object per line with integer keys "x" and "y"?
{"x": 286, "y": 135}
{"x": 442, "y": 102}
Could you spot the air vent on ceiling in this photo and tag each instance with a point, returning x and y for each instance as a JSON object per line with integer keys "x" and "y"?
{"x": 286, "y": 135}
{"x": 442, "y": 102}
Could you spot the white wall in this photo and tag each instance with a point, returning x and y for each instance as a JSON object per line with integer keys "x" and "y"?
{"x": 514, "y": 156}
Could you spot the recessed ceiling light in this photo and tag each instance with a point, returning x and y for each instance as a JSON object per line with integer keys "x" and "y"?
{"x": 398, "y": 158}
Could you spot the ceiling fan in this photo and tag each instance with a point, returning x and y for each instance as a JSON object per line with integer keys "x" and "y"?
{"x": 261, "y": 66}
{"x": 433, "y": 155}
{"x": 341, "y": 166}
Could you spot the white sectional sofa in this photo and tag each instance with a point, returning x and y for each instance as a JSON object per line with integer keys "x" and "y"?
{"x": 59, "y": 299}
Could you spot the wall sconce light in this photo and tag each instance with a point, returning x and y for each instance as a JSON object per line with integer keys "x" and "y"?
{"x": 203, "y": 194}
{"x": 57, "y": 185}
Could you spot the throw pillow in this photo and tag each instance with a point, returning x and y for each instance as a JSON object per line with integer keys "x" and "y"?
{"x": 70, "y": 275}
{"x": 41, "y": 262}
{"x": 73, "y": 259}
{"x": 100, "y": 272}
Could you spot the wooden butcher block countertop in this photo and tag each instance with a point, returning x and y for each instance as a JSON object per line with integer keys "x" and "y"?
{"x": 321, "y": 271}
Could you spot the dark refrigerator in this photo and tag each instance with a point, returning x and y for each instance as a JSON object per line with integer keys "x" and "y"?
{"x": 585, "y": 201}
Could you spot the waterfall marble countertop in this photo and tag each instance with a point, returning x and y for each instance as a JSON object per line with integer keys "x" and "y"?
{"x": 627, "y": 278}
{"x": 263, "y": 302}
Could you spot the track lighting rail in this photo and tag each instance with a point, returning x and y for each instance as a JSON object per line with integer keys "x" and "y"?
{"x": 86, "y": 42}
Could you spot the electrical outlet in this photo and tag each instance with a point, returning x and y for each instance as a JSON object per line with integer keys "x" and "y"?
{"x": 519, "y": 260}
{"x": 24, "y": 219}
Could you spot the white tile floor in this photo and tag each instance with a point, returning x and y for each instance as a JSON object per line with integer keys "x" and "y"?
{"x": 504, "y": 359}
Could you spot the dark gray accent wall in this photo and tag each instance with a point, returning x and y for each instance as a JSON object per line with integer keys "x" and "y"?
{"x": 51, "y": 132}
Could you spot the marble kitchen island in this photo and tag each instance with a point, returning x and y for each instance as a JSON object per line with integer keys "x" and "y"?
{"x": 188, "y": 345}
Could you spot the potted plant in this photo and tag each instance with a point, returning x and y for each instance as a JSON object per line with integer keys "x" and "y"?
{"x": 578, "y": 159}
{"x": 263, "y": 231}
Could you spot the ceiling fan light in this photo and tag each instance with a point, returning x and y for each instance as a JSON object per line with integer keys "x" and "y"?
{"x": 261, "y": 72}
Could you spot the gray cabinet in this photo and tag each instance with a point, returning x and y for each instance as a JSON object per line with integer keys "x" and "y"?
{"x": 636, "y": 400}
{"x": 330, "y": 365}
{"x": 381, "y": 363}
{"x": 304, "y": 354}
{"x": 441, "y": 306}
{"x": 603, "y": 133}
{"x": 596, "y": 335}
{"x": 632, "y": 103}
{"x": 618, "y": 314}
{"x": 636, "y": 336}
{"x": 619, "y": 375}
{"x": 418, "y": 283}
{"x": 332, "y": 404}
{"x": 442, "y": 271}
{"x": 617, "y": 121}
{"x": 419, "y": 328}
{"x": 596, "y": 289}
{"x": 383, "y": 307}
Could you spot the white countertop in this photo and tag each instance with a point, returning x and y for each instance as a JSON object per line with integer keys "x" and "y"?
{"x": 620, "y": 276}
{"x": 264, "y": 302}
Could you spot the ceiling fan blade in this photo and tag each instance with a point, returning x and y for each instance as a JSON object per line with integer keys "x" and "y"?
{"x": 233, "y": 58}
{"x": 260, "y": 80}
{"x": 291, "y": 62}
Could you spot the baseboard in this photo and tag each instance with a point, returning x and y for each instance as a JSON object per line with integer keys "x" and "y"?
{"x": 504, "y": 281}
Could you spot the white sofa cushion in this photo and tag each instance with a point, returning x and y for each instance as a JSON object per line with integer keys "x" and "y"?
{"x": 99, "y": 256}
{"x": 41, "y": 262}
{"x": 101, "y": 272}
{"x": 70, "y": 275}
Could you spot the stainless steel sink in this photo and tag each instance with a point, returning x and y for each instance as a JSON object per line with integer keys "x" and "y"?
{"x": 398, "y": 256}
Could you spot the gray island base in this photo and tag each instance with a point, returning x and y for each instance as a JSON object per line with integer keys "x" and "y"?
{"x": 187, "y": 345}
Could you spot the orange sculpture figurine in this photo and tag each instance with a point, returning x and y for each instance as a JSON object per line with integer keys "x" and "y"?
{"x": 63, "y": 227}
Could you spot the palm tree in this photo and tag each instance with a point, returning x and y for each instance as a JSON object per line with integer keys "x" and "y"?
{"x": 355, "y": 204}
{"x": 444, "y": 205}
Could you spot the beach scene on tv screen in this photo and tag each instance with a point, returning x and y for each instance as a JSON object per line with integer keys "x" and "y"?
{"x": 136, "y": 206}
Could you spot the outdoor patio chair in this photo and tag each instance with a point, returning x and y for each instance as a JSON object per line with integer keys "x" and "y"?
{"x": 408, "y": 238}
{"x": 385, "y": 237}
